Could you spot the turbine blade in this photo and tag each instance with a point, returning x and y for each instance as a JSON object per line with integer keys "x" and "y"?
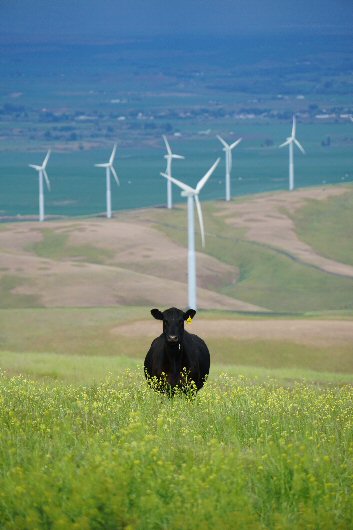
{"x": 237, "y": 142}
{"x": 46, "y": 179}
{"x": 222, "y": 141}
{"x": 178, "y": 156}
{"x": 167, "y": 145}
{"x": 115, "y": 175}
{"x": 293, "y": 127}
{"x": 299, "y": 146}
{"x": 38, "y": 168}
{"x": 102, "y": 165}
{"x": 199, "y": 213}
{"x": 181, "y": 185}
{"x": 112, "y": 156}
{"x": 45, "y": 161}
{"x": 205, "y": 178}
{"x": 287, "y": 142}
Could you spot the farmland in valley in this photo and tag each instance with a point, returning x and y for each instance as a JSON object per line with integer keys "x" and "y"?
{"x": 95, "y": 94}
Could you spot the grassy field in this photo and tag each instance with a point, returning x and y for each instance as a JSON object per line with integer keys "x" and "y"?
{"x": 242, "y": 454}
{"x": 92, "y": 334}
{"x": 86, "y": 444}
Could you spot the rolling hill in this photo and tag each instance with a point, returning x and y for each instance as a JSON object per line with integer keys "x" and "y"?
{"x": 261, "y": 256}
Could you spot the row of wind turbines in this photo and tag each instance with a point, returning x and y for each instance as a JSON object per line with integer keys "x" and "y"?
{"x": 192, "y": 194}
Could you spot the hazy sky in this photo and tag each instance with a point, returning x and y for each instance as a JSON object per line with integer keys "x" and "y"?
{"x": 61, "y": 19}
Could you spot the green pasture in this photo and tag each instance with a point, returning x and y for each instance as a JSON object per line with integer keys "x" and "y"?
{"x": 244, "y": 453}
{"x": 83, "y": 345}
{"x": 64, "y": 369}
{"x": 86, "y": 444}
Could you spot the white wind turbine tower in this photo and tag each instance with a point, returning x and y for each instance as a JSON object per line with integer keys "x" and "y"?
{"x": 227, "y": 148}
{"x": 192, "y": 195}
{"x": 291, "y": 140}
{"x": 42, "y": 173}
{"x": 169, "y": 156}
{"x": 109, "y": 168}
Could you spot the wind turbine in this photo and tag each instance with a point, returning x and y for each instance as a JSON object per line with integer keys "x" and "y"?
{"x": 169, "y": 156}
{"x": 192, "y": 195}
{"x": 291, "y": 140}
{"x": 42, "y": 173}
{"x": 109, "y": 168}
{"x": 228, "y": 151}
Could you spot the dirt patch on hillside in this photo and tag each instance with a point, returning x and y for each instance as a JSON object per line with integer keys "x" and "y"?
{"x": 310, "y": 332}
{"x": 139, "y": 273}
{"x": 265, "y": 221}
{"x": 140, "y": 247}
{"x": 141, "y": 265}
{"x": 135, "y": 246}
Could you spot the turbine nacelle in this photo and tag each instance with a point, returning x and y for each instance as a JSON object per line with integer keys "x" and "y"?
{"x": 41, "y": 169}
{"x": 174, "y": 156}
{"x": 229, "y": 147}
{"x": 169, "y": 154}
{"x": 292, "y": 139}
{"x": 169, "y": 157}
{"x": 188, "y": 191}
{"x": 287, "y": 142}
{"x": 109, "y": 165}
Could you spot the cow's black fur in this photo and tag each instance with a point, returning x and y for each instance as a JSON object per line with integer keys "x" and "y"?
{"x": 176, "y": 358}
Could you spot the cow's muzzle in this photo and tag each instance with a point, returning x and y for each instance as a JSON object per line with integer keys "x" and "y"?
{"x": 173, "y": 339}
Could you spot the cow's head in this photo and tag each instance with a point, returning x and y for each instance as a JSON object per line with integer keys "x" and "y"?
{"x": 173, "y": 322}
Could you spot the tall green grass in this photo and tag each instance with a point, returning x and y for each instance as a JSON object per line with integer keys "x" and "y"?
{"x": 92, "y": 369}
{"x": 119, "y": 456}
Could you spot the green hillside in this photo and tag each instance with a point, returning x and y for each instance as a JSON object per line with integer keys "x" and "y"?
{"x": 272, "y": 278}
{"x": 327, "y": 226}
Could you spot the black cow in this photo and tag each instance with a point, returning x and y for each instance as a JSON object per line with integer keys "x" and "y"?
{"x": 176, "y": 359}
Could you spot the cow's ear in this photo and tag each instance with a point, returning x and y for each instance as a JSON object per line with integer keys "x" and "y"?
{"x": 190, "y": 313}
{"x": 157, "y": 314}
